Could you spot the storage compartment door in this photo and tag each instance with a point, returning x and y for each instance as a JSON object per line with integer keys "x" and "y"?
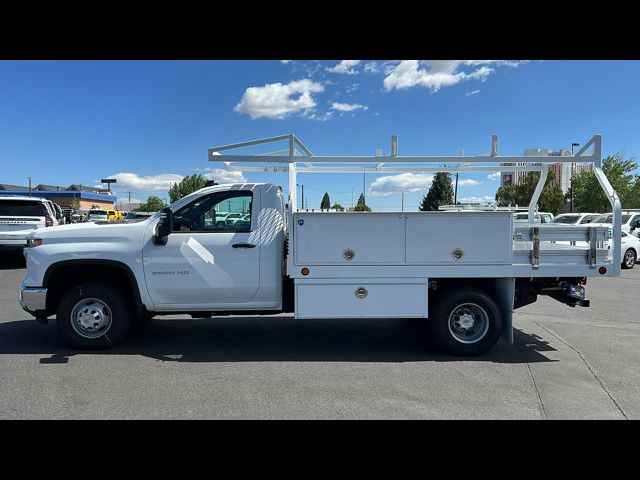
{"x": 364, "y": 298}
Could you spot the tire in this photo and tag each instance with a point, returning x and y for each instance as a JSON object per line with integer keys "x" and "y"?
{"x": 93, "y": 316}
{"x": 629, "y": 259}
{"x": 466, "y": 321}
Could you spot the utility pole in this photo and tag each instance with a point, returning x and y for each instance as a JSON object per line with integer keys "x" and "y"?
{"x": 29, "y": 185}
{"x": 402, "y": 209}
{"x": 129, "y": 204}
{"x": 352, "y": 197}
{"x": 364, "y": 183}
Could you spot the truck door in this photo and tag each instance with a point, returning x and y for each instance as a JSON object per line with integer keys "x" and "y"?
{"x": 207, "y": 261}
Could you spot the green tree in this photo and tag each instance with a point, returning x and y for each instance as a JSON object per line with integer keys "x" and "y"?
{"x": 551, "y": 199}
{"x": 588, "y": 195}
{"x": 440, "y": 193}
{"x": 75, "y": 204}
{"x": 361, "y": 206}
{"x": 153, "y": 204}
{"x": 338, "y": 207}
{"x": 326, "y": 203}
{"x": 187, "y": 185}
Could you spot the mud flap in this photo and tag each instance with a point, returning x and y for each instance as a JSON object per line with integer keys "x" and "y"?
{"x": 505, "y": 296}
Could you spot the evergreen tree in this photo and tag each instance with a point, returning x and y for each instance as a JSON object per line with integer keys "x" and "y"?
{"x": 440, "y": 193}
{"x": 326, "y": 203}
{"x": 361, "y": 206}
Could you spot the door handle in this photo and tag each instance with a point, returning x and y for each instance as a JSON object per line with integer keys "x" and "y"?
{"x": 243, "y": 245}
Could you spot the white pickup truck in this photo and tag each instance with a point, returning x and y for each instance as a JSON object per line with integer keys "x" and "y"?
{"x": 96, "y": 279}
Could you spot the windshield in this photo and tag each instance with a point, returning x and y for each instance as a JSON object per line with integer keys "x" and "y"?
{"x": 608, "y": 218}
{"x": 566, "y": 219}
{"x": 18, "y": 208}
{"x": 97, "y": 212}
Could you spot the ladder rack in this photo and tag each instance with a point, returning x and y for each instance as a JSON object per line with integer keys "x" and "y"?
{"x": 298, "y": 158}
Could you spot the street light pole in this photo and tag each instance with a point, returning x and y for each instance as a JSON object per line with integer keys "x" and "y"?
{"x": 29, "y": 185}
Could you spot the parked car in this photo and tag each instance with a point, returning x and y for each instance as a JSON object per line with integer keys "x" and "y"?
{"x": 630, "y": 249}
{"x": 232, "y": 218}
{"x": 575, "y": 218}
{"x": 19, "y": 216}
{"x": 98, "y": 216}
{"x": 630, "y": 221}
{"x": 540, "y": 217}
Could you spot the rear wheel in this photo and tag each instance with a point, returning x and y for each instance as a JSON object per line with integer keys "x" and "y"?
{"x": 93, "y": 316}
{"x": 629, "y": 259}
{"x": 466, "y": 321}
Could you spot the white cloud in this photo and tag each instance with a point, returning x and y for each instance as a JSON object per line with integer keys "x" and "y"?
{"x": 404, "y": 182}
{"x": 494, "y": 176}
{"x": 472, "y": 92}
{"x": 435, "y": 74}
{"x": 224, "y": 176}
{"x": 286, "y": 61}
{"x": 371, "y": 67}
{"x": 323, "y": 117}
{"x": 352, "y": 88}
{"x": 348, "y": 107}
{"x": 481, "y": 200}
{"x": 275, "y": 100}
{"x": 468, "y": 182}
{"x": 134, "y": 181}
{"x": 345, "y": 66}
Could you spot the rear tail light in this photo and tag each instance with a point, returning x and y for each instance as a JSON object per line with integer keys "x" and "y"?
{"x": 48, "y": 222}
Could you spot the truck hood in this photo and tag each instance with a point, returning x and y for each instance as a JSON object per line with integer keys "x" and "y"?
{"x": 91, "y": 232}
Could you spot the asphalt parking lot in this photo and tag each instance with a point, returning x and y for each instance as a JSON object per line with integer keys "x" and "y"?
{"x": 565, "y": 364}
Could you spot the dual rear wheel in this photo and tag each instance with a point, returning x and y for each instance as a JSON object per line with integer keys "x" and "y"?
{"x": 465, "y": 321}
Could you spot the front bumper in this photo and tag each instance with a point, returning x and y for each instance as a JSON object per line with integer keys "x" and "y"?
{"x": 34, "y": 300}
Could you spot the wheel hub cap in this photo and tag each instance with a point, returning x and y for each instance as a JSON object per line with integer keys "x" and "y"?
{"x": 91, "y": 318}
{"x": 466, "y": 321}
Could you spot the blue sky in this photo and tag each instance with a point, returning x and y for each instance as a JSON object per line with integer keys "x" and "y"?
{"x": 151, "y": 122}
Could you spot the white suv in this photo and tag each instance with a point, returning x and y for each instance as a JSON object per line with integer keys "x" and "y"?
{"x": 19, "y": 216}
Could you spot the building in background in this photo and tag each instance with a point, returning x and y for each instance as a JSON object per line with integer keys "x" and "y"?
{"x": 562, "y": 171}
{"x": 86, "y": 196}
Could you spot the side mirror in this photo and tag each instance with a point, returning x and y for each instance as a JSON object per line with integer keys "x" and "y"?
{"x": 164, "y": 226}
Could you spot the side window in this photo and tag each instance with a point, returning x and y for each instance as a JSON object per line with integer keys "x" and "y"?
{"x": 586, "y": 219}
{"x": 218, "y": 212}
{"x": 635, "y": 219}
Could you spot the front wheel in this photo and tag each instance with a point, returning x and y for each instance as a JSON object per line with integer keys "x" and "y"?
{"x": 93, "y": 316}
{"x": 629, "y": 259}
{"x": 466, "y": 321}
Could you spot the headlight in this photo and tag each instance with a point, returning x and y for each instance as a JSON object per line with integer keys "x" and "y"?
{"x": 34, "y": 242}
